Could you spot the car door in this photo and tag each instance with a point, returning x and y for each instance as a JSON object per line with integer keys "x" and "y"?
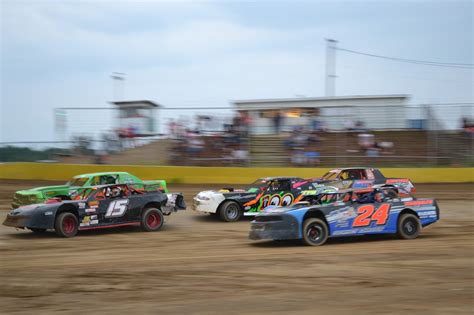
{"x": 110, "y": 210}
{"x": 371, "y": 217}
{"x": 278, "y": 193}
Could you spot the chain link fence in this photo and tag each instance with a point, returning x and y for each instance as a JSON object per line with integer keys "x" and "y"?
{"x": 421, "y": 135}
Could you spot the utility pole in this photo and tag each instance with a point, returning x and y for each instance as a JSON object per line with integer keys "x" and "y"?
{"x": 118, "y": 85}
{"x": 330, "y": 66}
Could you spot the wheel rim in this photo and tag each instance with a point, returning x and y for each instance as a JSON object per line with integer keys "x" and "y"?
{"x": 153, "y": 220}
{"x": 410, "y": 227}
{"x": 315, "y": 233}
{"x": 232, "y": 212}
{"x": 69, "y": 225}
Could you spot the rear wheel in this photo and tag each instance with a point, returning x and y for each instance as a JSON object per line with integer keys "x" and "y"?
{"x": 152, "y": 219}
{"x": 409, "y": 226}
{"x": 66, "y": 224}
{"x": 315, "y": 232}
{"x": 230, "y": 211}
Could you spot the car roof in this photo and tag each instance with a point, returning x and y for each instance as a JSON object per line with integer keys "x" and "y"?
{"x": 353, "y": 168}
{"x": 99, "y": 174}
{"x": 279, "y": 178}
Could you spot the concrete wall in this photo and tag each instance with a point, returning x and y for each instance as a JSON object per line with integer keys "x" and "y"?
{"x": 210, "y": 175}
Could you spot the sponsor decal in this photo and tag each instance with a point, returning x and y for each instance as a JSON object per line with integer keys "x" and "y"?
{"x": 427, "y": 214}
{"x": 397, "y": 180}
{"x": 298, "y": 184}
{"x": 85, "y": 224}
{"x": 418, "y": 202}
{"x": 93, "y": 204}
{"x": 86, "y": 219}
{"x": 362, "y": 184}
{"x": 92, "y": 222}
{"x": 359, "y": 231}
{"x": 82, "y": 205}
{"x": 48, "y": 213}
{"x": 90, "y": 210}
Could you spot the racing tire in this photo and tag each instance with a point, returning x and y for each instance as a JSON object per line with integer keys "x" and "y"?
{"x": 66, "y": 224}
{"x": 38, "y": 231}
{"x": 152, "y": 220}
{"x": 315, "y": 232}
{"x": 391, "y": 193}
{"x": 230, "y": 211}
{"x": 409, "y": 226}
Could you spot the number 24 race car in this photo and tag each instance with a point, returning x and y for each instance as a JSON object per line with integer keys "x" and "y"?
{"x": 345, "y": 213}
{"x": 98, "y": 207}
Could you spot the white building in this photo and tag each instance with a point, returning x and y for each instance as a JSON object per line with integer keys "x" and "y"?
{"x": 374, "y": 111}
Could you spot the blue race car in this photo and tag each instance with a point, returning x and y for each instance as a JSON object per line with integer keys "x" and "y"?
{"x": 345, "y": 213}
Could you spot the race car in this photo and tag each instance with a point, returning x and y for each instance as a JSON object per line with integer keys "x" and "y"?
{"x": 66, "y": 191}
{"x": 365, "y": 177}
{"x": 230, "y": 204}
{"x": 345, "y": 213}
{"x": 98, "y": 207}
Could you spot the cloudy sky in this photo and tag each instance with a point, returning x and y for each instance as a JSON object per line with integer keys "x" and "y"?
{"x": 177, "y": 53}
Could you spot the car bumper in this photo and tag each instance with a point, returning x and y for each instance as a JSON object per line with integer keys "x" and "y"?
{"x": 274, "y": 227}
{"x": 204, "y": 206}
{"x": 38, "y": 221}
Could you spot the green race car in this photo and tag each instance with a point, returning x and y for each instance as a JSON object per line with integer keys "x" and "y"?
{"x": 41, "y": 194}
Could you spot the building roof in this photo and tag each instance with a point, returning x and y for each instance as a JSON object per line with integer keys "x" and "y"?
{"x": 316, "y": 102}
{"x": 326, "y": 98}
{"x": 139, "y": 103}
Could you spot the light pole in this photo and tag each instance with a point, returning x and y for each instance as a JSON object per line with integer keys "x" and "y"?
{"x": 330, "y": 66}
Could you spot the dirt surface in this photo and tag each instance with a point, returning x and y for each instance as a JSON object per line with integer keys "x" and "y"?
{"x": 199, "y": 265}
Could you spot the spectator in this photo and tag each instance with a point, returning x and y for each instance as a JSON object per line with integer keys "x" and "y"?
{"x": 277, "y": 121}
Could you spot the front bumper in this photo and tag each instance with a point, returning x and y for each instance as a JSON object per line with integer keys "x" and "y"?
{"x": 274, "y": 227}
{"x": 36, "y": 220}
{"x": 17, "y": 221}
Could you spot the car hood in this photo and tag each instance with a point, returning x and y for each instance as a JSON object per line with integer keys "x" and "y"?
{"x": 33, "y": 208}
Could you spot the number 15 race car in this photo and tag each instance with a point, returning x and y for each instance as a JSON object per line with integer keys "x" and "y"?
{"x": 345, "y": 213}
{"x": 98, "y": 207}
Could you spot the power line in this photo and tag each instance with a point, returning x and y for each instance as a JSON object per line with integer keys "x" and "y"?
{"x": 414, "y": 61}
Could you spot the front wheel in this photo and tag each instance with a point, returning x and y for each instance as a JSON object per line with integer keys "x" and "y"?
{"x": 409, "y": 226}
{"x": 152, "y": 220}
{"x": 66, "y": 224}
{"x": 315, "y": 232}
{"x": 230, "y": 211}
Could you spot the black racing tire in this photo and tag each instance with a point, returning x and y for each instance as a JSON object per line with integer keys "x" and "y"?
{"x": 38, "y": 231}
{"x": 409, "y": 226}
{"x": 66, "y": 224}
{"x": 152, "y": 219}
{"x": 315, "y": 232}
{"x": 230, "y": 211}
{"x": 391, "y": 193}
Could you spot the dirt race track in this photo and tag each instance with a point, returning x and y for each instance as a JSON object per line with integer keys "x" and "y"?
{"x": 198, "y": 265}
